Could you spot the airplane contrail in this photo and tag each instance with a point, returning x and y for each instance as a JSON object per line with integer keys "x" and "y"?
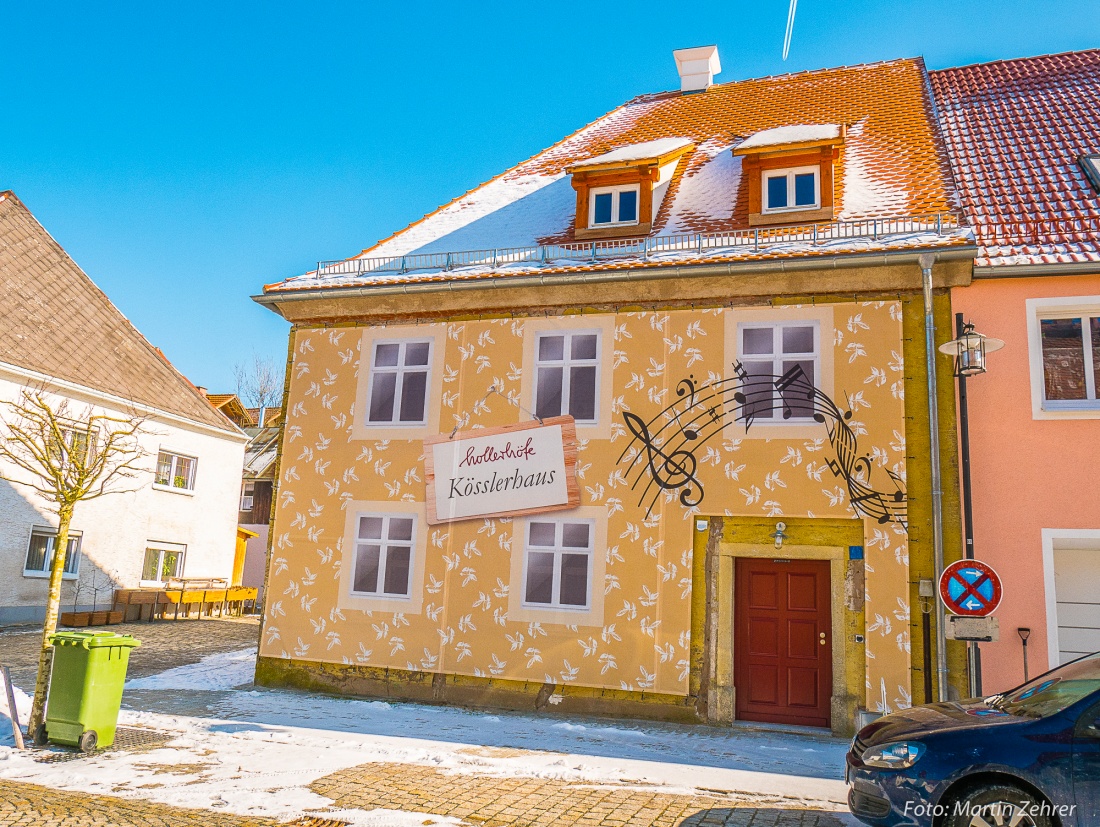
{"x": 790, "y": 29}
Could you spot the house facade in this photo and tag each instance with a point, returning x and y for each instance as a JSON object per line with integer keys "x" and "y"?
{"x": 63, "y": 337}
{"x": 1028, "y": 171}
{"x": 640, "y": 426}
{"x": 256, "y": 490}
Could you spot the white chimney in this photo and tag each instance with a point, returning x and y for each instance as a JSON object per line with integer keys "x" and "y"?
{"x": 697, "y": 67}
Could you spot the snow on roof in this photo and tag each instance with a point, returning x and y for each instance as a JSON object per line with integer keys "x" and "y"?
{"x": 797, "y": 134}
{"x": 644, "y": 151}
{"x": 899, "y": 166}
{"x": 706, "y": 189}
{"x": 1014, "y": 130}
{"x": 861, "y": 191}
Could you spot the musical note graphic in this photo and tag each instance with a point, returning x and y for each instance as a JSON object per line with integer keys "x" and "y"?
{"x": 665, "y": 446}
{"x": 670, "y": 471}
{"x": 686, "y": 387}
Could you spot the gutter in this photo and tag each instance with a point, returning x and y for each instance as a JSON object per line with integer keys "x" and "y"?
{"x": 926, "y": 263}
{"x": 960, "y": 253}
{"x": 102, "y": 397}
{"x": 1015, "y": 271}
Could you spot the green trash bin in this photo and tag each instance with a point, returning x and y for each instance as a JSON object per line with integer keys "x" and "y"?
{"x": 89, "y": 670}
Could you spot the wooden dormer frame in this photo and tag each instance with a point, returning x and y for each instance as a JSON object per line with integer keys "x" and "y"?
{"x": 822, "y": 153}
{"x": 645, "y": 172}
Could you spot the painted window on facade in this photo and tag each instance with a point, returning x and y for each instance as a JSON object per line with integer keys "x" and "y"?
{"x": 791, "y": 189}
{"x": 567, "y": 374}
{"x": 41, "y": 550}
{"x": 613, "y": 205}
{"x": 383, "y": 555}
{"x": 768, "y": 351}
{"x": 162, "y": 562}
{"x": 1071, "y": 361}
{"x": 175, "y": 471}
{"x": 248, "y": 495}
{"x": 558, "y": 564}
{"x": 398, "y": 393}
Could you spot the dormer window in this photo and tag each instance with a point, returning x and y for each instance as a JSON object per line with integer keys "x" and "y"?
{"x": 613, "y": 206}
{"x": 619, "y": 193}
{"x": 790, "y": 172}
{"x": 791, "y": 189}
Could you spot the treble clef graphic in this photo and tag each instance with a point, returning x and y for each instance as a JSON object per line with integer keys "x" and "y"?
{"x": 669, "y": 470}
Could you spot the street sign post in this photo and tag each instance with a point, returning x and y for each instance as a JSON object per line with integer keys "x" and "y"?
{"x": 970, "y": 588}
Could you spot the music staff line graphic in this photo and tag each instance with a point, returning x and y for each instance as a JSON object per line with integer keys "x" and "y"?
{"x": 667, "y": 449}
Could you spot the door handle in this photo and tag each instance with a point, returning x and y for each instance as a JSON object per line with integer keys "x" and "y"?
{"x": 821, "y": 638}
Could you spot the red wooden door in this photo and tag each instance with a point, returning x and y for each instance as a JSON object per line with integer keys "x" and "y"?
{"x": 783, "y": 668}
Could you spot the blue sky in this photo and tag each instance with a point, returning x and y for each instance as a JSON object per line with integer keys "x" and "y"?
{"x": 186, "y": 154}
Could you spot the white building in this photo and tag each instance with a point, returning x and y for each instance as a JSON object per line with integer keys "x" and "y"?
{"x": 62, "y": 334}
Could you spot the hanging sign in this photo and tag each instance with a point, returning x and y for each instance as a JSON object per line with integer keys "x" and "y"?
{"x": 970, "y": 588}
{"x": 502, "y": 472}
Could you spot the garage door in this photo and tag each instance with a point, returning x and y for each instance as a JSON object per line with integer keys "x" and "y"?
{"x": 1077, "y": 591}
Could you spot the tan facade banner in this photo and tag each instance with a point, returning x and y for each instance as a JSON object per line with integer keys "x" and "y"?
{"x": 510, "y": 470}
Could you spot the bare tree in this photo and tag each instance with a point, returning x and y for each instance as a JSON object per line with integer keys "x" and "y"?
{"x": 260, "y": 382}
{"x": 65, "y": 458}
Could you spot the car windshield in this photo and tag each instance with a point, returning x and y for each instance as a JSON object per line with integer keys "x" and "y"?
{"x": 1054, "y": 691}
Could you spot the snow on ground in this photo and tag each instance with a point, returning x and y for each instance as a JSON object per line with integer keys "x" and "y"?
{"x": 225, "y": 670}
{"x": 259, "y": 750}
{"x": 23, "y": 706}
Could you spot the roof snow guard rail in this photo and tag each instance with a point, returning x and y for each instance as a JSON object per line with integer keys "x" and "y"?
{"x": 1085, "y": 230}
{"x": 755, "y": 240}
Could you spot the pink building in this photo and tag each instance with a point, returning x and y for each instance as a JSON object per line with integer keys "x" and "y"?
{"x": 1023, "y": 138}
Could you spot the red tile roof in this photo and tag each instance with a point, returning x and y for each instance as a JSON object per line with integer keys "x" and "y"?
{"x": 892, "y": 164}
{"x": 1014, "y": 130}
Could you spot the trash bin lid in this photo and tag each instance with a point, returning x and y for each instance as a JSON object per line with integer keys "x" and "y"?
{"x": 93, "y": 640}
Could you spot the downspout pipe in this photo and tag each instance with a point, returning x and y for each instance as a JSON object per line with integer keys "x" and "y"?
{"x": 926, "y": 261}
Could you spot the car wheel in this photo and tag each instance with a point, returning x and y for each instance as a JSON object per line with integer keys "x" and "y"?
{"x": 997, "y": 805}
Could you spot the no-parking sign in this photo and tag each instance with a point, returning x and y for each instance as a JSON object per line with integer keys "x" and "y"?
{"x": 970, "y": 588}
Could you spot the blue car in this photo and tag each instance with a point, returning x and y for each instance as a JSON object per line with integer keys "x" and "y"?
{"x": 1025, "y": 758}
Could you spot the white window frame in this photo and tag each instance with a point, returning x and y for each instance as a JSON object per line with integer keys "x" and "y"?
{"x": 558, "y": 550}
{"x": 383, "y": 555}
{"x": 50, "y": 532}
{"x": 400, "y": 369}
{"x": 566, "y": 364}
{"x": 775, "y": 417}
{"x": 615, "y": 191}
{"x": 1061, "y": 307}
{"x": 1054, "y": 539}
{"x": 176, "y": 455}
{"x": 162, "y": 547}
{"x": 71, "y": 432}
{"x": 790, "y": 174}
{"x": 248, "y": 494}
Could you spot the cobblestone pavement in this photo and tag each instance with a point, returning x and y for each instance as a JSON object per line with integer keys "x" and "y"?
{"x": 27, "y": 804}
{"x": 534, "y": 802}
{"x": 165, "y": 644}
{"x": 478, "y": 800}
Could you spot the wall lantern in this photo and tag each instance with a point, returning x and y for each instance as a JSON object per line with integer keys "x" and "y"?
{"x": 969, "y": 350}
{"x": 779, "y": 534}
